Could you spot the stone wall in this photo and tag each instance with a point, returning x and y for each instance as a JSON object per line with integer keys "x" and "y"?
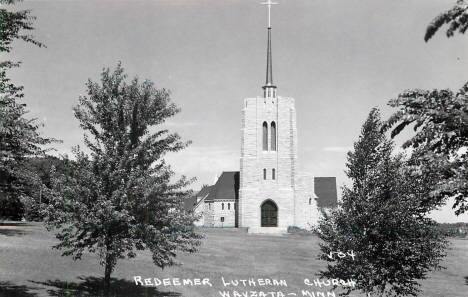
{"x": 200, "y": 211}
{"x": 254, "y": 189}
{"x": 306, "y": 202}
{"x": 228, "y": 213}
{"x": 209, "y": 213}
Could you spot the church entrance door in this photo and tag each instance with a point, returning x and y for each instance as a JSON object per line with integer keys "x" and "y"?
{"x": 269, "y": 214}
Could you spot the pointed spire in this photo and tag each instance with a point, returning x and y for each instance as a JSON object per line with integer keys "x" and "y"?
{"x": 269, "y": 73}
{"x": 269, "y": 88}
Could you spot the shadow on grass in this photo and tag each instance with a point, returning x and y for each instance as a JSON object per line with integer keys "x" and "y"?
{"x": 13, "y": 232}
{"x": 17, "y": 224}
{"x": 8, "y": 289}
{"x": 14, "y": 228}
{"x": 91, "y": 286}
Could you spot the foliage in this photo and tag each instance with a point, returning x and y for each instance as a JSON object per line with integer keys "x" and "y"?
{"x": 457, "y": 17}
{"x": 440, "y": 120}
{"x": 381, "y": 219}
{"x": 459, "y": 229}
{"x": 119, "y": 199}
{"x": 38, "y": 186}
{"x": 19, "y": 137}
{"x": 12, "y": 24}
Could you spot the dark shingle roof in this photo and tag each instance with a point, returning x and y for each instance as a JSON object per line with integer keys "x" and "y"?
{"x": 325, "y": 189}
{"x": 190, "y": 202}
{"x": 204, "y": 191}
{"x": 227, "y": 186}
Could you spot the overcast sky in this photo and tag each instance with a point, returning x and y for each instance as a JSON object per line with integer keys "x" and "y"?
{"x": 338, "y": 59}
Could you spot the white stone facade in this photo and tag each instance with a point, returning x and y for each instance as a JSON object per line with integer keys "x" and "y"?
{"x": 223, "y": 213}
{"x": 293, "y": 194}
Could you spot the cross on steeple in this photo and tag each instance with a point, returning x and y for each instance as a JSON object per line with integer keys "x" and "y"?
{"x": 269, "y": 90}
{"x": 269, "y": 3}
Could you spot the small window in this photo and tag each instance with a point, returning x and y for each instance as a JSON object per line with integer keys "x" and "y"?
{"x": 209, "y": 206}
{"x": 310, "y": 201}
{"x": 229, "y": 206}
{"x": 222, "y": 206}
{"x": 264, "y": 174}
{"x": 273, "y": 174}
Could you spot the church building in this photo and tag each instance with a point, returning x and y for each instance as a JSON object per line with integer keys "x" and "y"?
{"x": 268, "y": 194}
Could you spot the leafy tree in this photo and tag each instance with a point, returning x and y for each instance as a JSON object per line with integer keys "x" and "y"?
{"x": 19, "y": 137}
{"x": 440, "y": 119}
{"x": 37, "y": 189}
{"x": 457, "y": 17}
{"x": 11, "y": 24}
{"x": 119, "y": 199}
{"x": 381, "y": 220}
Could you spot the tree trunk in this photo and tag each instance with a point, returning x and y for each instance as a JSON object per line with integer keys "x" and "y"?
{"x": 107, "y": 277}
{"x": 109, "y": 265}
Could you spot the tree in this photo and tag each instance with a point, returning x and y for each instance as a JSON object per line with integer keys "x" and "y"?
{"x": 440, "y": 119}
{"x": 119, "y": 199}
{"x": 381, "y": 221}
{"x": 19, "y": 137}
{"x": 457, "y": 17}
{"x": 38, "y": 188}
{"x": 11, "y": 23}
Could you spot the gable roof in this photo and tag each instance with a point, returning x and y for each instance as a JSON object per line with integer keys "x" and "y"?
{"x": 227, "y": 186}
{"x": 325, "y": 189}
{"x": 203, "y": 192}
{"x": 191, "y": 202}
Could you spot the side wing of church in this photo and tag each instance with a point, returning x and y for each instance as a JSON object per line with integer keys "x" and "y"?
{"x": 268, "y": 194}
{"x": 218, "y": 205}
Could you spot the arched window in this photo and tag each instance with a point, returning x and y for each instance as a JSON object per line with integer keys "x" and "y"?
{"x": 273, "y": 136}
{"x": 264, "y": 174}
{"x": 310, "y": 201}
{"x": 265, "y": 136}
{"x": 222, "y": 206}
{"x": 229, "y": 206}
{"x": 273, "y": 174}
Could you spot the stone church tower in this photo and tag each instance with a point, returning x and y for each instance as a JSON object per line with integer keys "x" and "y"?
{"x": 272, "y": 193}
{"x": 267, "y": 195}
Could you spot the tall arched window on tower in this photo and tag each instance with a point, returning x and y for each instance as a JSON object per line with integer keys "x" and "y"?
{"x": 273, "y": 136}
{"x": 265, "y": 136}
{"x": 264, "y": 174}
{"x": 273, "y": 174}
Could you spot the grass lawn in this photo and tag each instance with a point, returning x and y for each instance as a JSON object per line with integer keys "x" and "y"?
{"x": 29, "y": 267}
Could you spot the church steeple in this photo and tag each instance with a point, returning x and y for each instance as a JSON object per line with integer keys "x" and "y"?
{"x": 269, "y": 73}
{"x": 269, "y": 90}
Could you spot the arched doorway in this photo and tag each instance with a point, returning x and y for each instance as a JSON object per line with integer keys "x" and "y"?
{"x": 269, "y": 214}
